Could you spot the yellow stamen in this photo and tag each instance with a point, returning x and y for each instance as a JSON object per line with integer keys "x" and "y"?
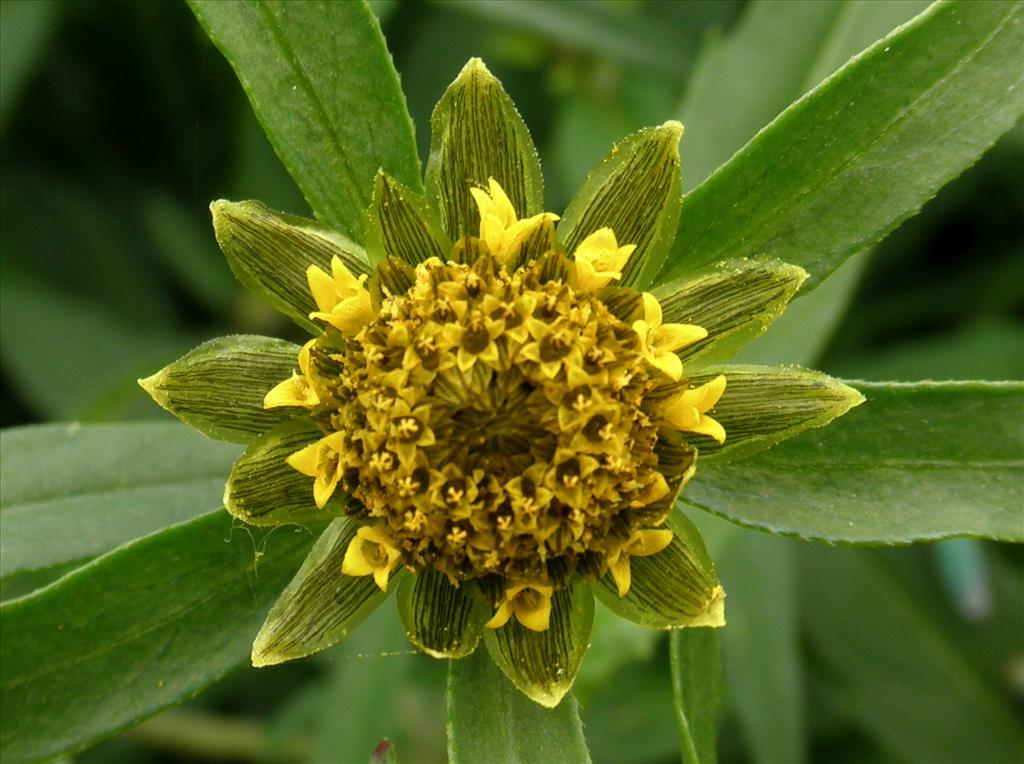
{"x": 660, "y": 341}
{"x": 529, "y": 603}
{"x": 687, "y": 411}
{"x": 600, "y": 260}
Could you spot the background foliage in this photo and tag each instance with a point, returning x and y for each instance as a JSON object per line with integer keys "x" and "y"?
{"x": 119, "y": 123}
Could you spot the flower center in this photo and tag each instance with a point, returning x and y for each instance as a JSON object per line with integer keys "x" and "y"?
{"x": 495, "y": 424}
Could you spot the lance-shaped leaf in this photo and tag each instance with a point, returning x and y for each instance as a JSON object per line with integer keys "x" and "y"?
{"x": 490, "y": 720}
{"x": 440, "y": 619}
{"x": 845, "y": 164}
{"x": 219, "y": 387}
{"x": 696, "y": 659}
{"x": 919, "y": 461}
{"x": 269, "y": 253}
{"x": 674, "y": 588}
{"x": 321, "y": 605}
{"x": 635, "y": 191}
{"x": 477, "y": 134}
{"x": 136, "y": 630}
{"x": 71, "y": 492}
{"x": 401, "y": 224}
{"x": 264, "y": 489}
{"x": 735, "y": 302}
{"x": 764, "y": 405}
{"x": 323, "y": 86}
{"x": 543, "y": 664}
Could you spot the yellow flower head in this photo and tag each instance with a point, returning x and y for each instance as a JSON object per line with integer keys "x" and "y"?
{"x": 600, "y": 260}
{"x": 496, "y": 411}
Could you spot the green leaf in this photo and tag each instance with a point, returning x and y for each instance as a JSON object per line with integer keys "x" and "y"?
{"x": 269, "y": 252}
{"x": 490, "y": 720}
{"x": 674, "y": 588}
{"x": 134, "y": 631}
{"x": 696, "y": 657}
{"x": 440, "y": 619}
{"x": 635, "y": 191}
{"x": 401, "y": 224}
{"x": 915, "y": 110}
{"x": 322, "y": 84}
{"x": 764, "y": 405}
{"x": 182, "y": 242}
{"x": 219, "y": 387}
{"x": 476, "y": 134}
{"x": 107, "y": 352}
{"x": 792, "y": 47}
{"x": 630, "y": 34}
{"x": 866, "y": 627}
{"x": 26, "y": 29}
{"x": 735, "y": 302}
{"x": 263, "y": 489}
{"x": 543, "y": 664}
{"x": 320, "y": 606}
{"x": 917, "y": 461}
{"x": 760, "y": 646}
{"x": 72, "y": 492}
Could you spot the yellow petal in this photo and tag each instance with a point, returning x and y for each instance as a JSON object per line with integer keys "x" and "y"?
{"x": 652, "y": 309}
{"x": 306, "y": 461}
{"x": 707, "y": 395}
{"x": 324, "y": 486}
{"x": 295, "y": 391}
{"x": 650, "y": 541}
{"x": 503, "y": 208}
{"x": 680, "y": 413}
{"x": 380, "y": 576}
{"x": 599, "y": 259}
{"x": 668, "y": 364}
{"x": 321, "y": 286}
{"x": 673, "y": 337}
{"x": 536, "y": 616}
{"x": 501, "y": 616}
{"x": 621, "y": 574}
{"x": 344, "y": 279}
{"x": 710, "y": 427}
{"x": 356, "y": 562}
{"x": 352, "y": 313}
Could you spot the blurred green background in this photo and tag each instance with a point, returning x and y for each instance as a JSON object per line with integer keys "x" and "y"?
{"x": 119, "y": 123}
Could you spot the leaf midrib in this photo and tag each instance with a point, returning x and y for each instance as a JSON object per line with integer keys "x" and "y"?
{"x": 277, "y": 34}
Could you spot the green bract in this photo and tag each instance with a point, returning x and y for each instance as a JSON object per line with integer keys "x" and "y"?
{"x": 481, "y": 146}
